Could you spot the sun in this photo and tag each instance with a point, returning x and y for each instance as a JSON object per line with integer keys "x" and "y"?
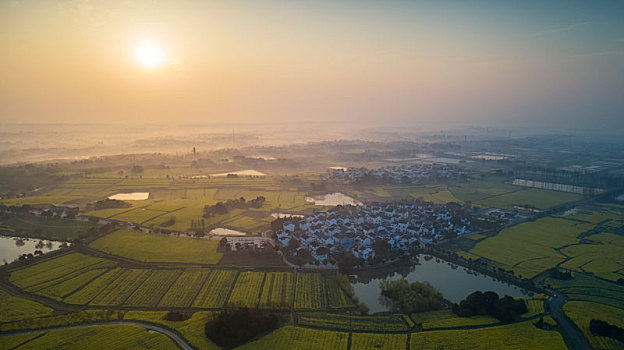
{"x": 148, "y": 55}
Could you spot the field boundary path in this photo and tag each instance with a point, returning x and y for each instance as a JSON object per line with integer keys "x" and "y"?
{"x": 179, "y": 340}
{"x": 576, "y": 339}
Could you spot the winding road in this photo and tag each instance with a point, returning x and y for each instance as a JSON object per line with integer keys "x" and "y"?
{"x": 576, "y": 338}
{"x": 181, "y": 342}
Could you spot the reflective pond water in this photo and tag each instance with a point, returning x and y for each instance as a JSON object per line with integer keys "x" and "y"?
{"x": 455, "y": 283}
{"x": 12, "y": 247}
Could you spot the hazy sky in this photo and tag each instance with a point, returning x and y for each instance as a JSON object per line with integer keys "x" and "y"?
{"x": 481, "y": 63}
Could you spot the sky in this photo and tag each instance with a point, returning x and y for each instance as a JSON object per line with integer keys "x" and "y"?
{"x": 498, "y": 63}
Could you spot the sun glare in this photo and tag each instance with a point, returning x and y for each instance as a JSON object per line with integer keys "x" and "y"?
{"x": 148, "y": 55}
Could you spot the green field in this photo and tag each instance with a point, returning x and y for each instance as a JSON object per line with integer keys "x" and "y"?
{"x": 523, "y": 335}
{"x": 600, "y": 254}
{"x": 310, "y": 292}
{"x": 277, "y": 290}
{"x": 13, "y": 308}
{"x": 447, "y": 319}
{"x": 356, "y": 323}
{"x": 365, "y": 341}
{"x": 192, "y": 329}
{"x": 215, "y": 291}
{"x": 247, "y": 289}
{"x": 583, "y": 312}
{"x": 185, "y": 288}
{"x": 586, "y": 288}
{"x": 529, "y": 248}
{"x": 50, "y": 228}
{"x": 148, "y": 247}
{"x": 296, "y": 338}
{"x": 106, "y": 337}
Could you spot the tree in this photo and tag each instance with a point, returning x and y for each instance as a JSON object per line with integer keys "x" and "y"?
{"x": 402, "y": 296}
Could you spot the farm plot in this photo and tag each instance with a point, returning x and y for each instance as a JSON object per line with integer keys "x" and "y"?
{"x": 184, "y": 289}
{"x": 118, "y": 291}
{"x": 310, "y": 292}
{"x": 600, "y": 254}
{"x": 523, "y": 335}
{"x": 447, "y": 319}
{"x": 139, "y": 215}
{"x": 75, "y": 278}
{"x": 148, "y": 247}
{"x": 541, "y": 199}
{"x": 31, "y": 276}
{"x": 336, "y": 297}
{"x": 529, "y": 248}
{"x": 356, "y": 323}
{"x": 296, "y": 338}
{"x": 587, "y": 288}
{"x": 277, "y": 290}
{"x": 91, "y": 290}
{"x": 215, "y": 291}
{"x": 59, "y": 290}
{"x": 247, "y": 289}
{"x": 152, "y": 290}
{"x": 52, "y": 228}
{"x": 106, "y": 337}
{"x": 365, "y": 341}
{"x": 14, "y": 308}
{"x": 583, "y": 312}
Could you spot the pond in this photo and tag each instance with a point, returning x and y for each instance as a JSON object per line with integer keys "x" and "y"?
{"x": 12, "y": 247}
{"x": 220, "y": 231}
{"x": 332, "y": 199}
{"x": 248, "y": 172}
{"x": 132, "y": 196}
{"x": 285, "y": 215}
{"x": 454, "y": 282}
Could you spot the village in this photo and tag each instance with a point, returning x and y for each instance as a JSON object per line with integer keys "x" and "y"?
{"x": 403, "y": 225}
{"x": 405, "y": 174}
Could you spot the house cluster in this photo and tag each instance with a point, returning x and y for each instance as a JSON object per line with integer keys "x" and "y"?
{"x": 405, "y": 174}
{"x": 403, "y": 225}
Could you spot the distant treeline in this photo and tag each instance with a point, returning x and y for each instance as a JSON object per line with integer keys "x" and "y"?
{"x": 108, "y": 204}
{"x": 223, "y": 208}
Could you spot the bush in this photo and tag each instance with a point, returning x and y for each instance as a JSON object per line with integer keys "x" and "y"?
{"x": 488, "y": 303}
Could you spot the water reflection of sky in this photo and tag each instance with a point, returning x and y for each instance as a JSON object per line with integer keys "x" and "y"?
{"x": 10, "y": 251}
{"x": 455, "y": 284}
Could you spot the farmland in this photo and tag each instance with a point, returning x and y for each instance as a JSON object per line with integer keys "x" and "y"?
{"x": 14, "y": 308}
{"x": 296, "y": 338}
{"x": 215, "y": 291}
{"x": 277, "y": 290}
{"x": 530, "y": 248}
{"x": 356, "y": 323}
{"x": 50, "y": 228}
{"x": 184, "y": 289}
{"x": 106, "y": 337}
{"x": 583, "y": 312}
{"x": 310, "y": 292}
{"x": 586, "y": 288}
{"x": 523, "y": 335}
{"x": 158, "y": 248}
{"x": 447, "y": 319}
{"x": 365, "y": 341}
{"x": 246, "y": 290}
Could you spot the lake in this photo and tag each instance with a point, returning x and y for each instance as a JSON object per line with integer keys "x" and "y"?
{"x": 132, "y": 196}
{"x": 332, "y": 199}
{"x": 454, "y": 283}
{"x": 10, "y": 250}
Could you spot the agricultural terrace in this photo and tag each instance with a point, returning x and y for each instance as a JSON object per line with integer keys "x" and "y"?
{"x": 530, "y": 248}
{"x": 447, "y": 319}
{"x": 106, "y": 337}
{"x": 141, "y": 246}
{"x": 296, "y": 338}
{"x": 523, "y": 335}
{"x": 600, "y": 254}
{"x": 583, "y": 312}
{"x": 347, "y": 323}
